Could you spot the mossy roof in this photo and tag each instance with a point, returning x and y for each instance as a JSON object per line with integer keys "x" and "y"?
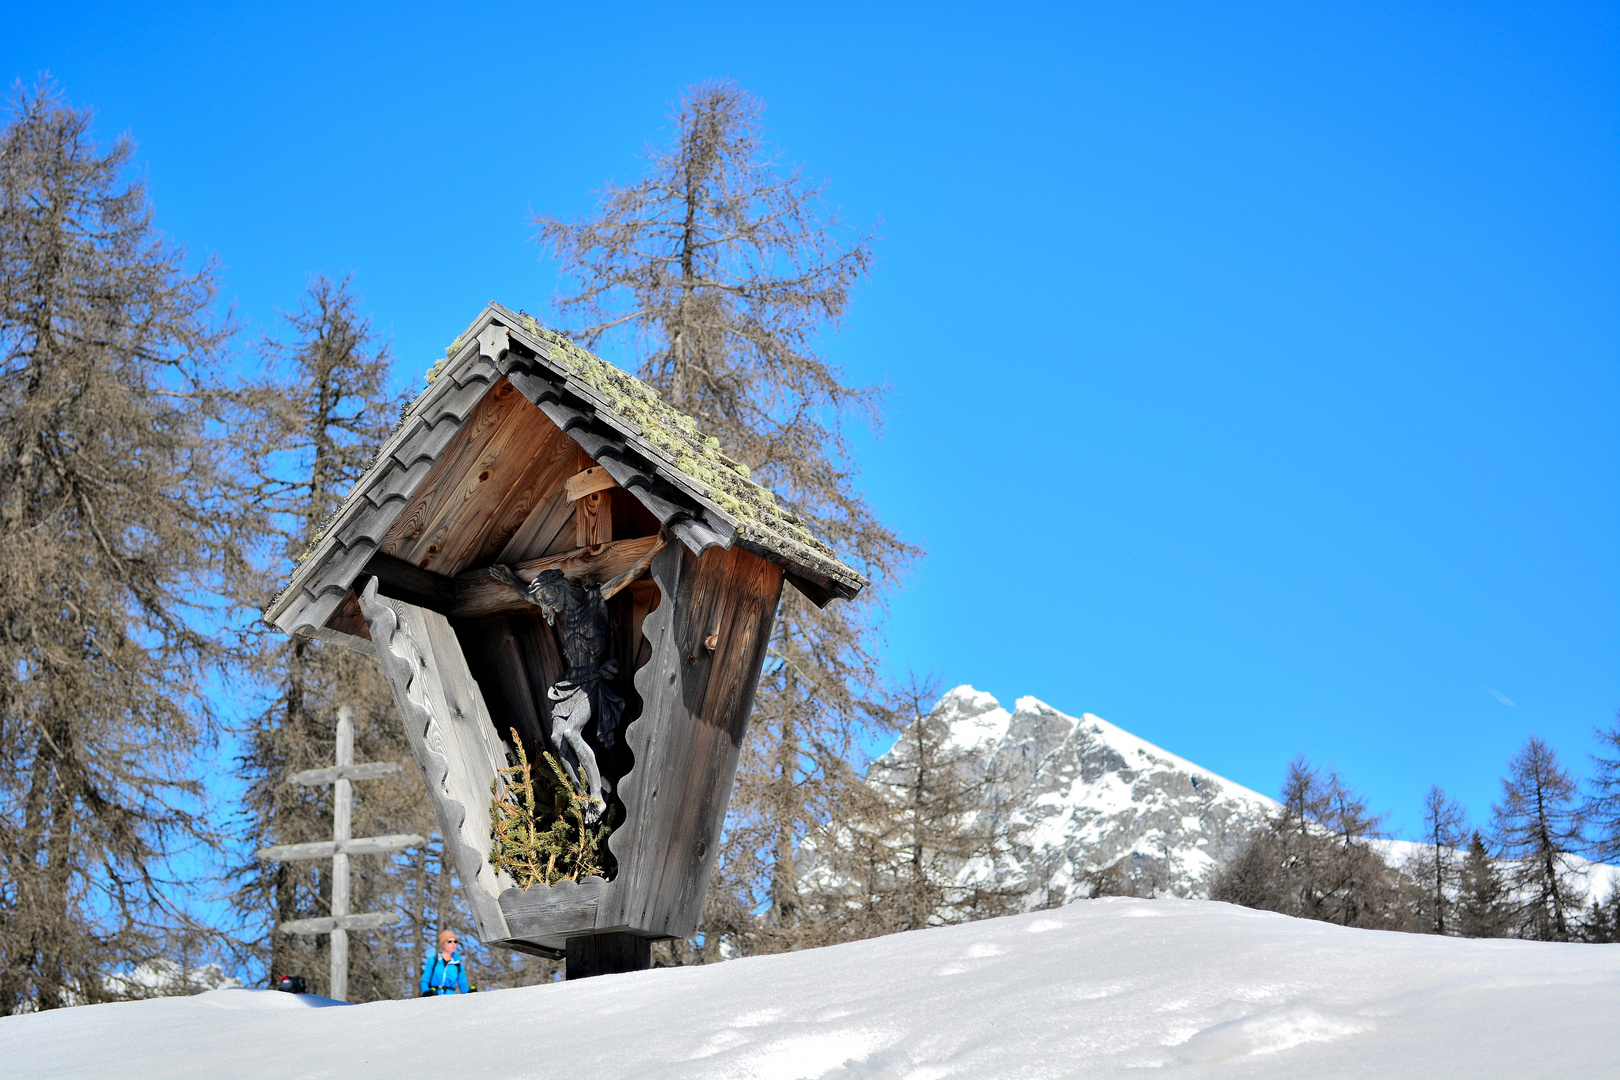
{"x": 725, "y": 502}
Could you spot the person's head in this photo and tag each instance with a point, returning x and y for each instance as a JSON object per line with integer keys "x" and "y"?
{"x": 447, "y": 942}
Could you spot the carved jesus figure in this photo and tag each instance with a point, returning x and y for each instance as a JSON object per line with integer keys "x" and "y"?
{"x": 586, "y": 682}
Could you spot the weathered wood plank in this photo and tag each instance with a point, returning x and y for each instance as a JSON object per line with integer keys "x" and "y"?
{"x": 547, "y": 522}
{"x": 405, "y": 581}
{"x": 477, "y": 595}
{"x": 451, "y": 737}
{"x": 347, "y": 619}
{"x": 368, "y": 771}
{"x": 590, "y": 481}
{"x": 325, "y": 849}
{"x": 374, "y": 921}
{"x": 593, "y": 519}
{"x": 541, "y": 483}
{"x": 694, "y": 714}
{"x": 519, "y": 467}
{"x": 421, "y": 534}
{"x": 502, "y": 443}
{"x": 548, "y": 915}
{"x": 439, "y": 486}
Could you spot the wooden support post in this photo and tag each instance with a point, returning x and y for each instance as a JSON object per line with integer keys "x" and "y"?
{"x": 341, "y": 805}
{"x": 607, "y": 954}
{"x": 593, "y": 519}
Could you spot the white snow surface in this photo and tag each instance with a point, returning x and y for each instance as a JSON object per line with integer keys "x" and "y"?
{"x": 1102, "y": 988}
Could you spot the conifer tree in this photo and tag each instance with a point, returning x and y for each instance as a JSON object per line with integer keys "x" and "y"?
{"x": 920, "y": 843}
{"x": 1601, "y": 925}
{"x": 117, "y": 525}
{"x": 319, "y": 409}
{"x": 1602, "y": 808}
{"x": 712, "y": 278}
{"x": 1538, "y": 829}
{"x": 1315, "y": 859}
{"x": 1437, "y": 869}
{"x": 1481, "y": 904}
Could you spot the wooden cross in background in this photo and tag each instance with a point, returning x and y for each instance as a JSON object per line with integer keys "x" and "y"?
{"x": 339, "y": 848}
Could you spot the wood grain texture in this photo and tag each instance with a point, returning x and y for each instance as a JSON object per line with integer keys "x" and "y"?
{"x": 477, "y": 595}
{"x": 482, "y": 465}
{"x": 451, "y": 738}
{"x": 347, "y": 619}
{"x": 695, "y": 706}
{"x": 411, "y": 535}
{"x": 491, "y": 476}
{"x": 550, "y": 522}
{"x": 540, "y": 480}
{"x": 593, "y": 519}
{"x": 549, "y": 915}
{"x": 585, "y": 483}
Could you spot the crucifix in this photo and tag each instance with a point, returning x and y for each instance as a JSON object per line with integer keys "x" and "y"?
{"x": 338, "y": 849}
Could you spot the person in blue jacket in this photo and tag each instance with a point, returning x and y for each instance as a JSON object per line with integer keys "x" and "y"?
{"x": 444, "y": 972}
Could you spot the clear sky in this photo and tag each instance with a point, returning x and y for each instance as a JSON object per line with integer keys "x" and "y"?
{"x": 1255, "y": 369}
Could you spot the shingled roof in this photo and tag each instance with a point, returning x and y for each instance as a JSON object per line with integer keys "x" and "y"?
{"x": 655, "y": 452}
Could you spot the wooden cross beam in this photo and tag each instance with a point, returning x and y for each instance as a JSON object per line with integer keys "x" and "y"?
{"x": 338, "y": 849}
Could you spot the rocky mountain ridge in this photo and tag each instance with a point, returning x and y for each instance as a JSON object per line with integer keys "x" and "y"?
{"x": 1099, "y": 810}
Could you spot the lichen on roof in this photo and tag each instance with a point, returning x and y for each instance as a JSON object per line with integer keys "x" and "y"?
{"x": 694, "y": 453}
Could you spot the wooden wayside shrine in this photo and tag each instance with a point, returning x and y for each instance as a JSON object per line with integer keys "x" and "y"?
{"x": 543, "y": 547}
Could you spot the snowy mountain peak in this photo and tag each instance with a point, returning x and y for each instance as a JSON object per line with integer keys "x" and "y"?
{"x": 1100, "y": 809}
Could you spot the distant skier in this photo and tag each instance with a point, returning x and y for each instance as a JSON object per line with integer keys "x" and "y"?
{"x": 444, "y": 972}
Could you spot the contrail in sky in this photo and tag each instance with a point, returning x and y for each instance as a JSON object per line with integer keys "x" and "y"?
{"x": 1499, "y": 697}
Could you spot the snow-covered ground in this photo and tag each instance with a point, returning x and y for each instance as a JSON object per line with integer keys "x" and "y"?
{"x": 1101, "y": 988}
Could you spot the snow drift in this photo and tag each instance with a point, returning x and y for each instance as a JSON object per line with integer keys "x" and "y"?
{"x": 1101, "y": 988}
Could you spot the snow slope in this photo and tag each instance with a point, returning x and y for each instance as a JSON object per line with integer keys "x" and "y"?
{"x": 1104, "y": 988}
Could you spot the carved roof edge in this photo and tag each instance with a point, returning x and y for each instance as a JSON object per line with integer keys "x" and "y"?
{"x": 651, "y": 449}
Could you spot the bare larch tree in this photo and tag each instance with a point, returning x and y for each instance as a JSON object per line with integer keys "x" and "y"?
{"x": 116, "y": 535}
{"x": 922, "y": 844}
{"x": 1314, "y": 859}
{"x": 1436, "y": 868}
{"x": 712, "y": 278}
{"x": 1602, "y": 807}
{"x": 1538, "y": 830}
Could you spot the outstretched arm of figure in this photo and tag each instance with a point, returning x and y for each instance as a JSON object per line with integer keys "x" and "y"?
{"x": 502, "y": 573}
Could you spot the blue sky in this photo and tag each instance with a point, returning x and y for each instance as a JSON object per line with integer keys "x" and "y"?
{"x": 1254, "y": 368}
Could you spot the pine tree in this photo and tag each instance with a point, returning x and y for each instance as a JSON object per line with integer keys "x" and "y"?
{"x": 1481, "y": 903}
{"x": 1437, "y": 870}
{"x": 117, "y": 526}
{"x": 1315, "y": 859}
{"x": 1602, "y": 808}
{"x": 711, "y": 278}
{"x": 1538, "y": 829}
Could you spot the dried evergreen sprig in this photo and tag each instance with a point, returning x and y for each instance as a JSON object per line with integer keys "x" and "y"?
{"x": 540, "y": 833}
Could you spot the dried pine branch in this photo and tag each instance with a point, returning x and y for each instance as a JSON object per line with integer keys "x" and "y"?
{"x": 540, "y": 835}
